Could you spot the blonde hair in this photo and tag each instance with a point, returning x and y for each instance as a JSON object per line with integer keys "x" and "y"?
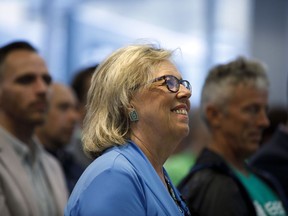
{"x": 113, "y": 85}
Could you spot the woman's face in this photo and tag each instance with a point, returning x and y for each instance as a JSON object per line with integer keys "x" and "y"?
{"x": 161, "y": 111}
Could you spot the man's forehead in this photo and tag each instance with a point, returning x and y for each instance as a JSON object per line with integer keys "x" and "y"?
{"x": 34, "y": 66}
{"x": 248, "y": 93}
{"x": 22, "y": 54}
{"x": 62, "y": 93}
{"x": 24, "y": 58}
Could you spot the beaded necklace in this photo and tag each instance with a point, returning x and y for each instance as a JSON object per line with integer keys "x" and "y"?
{"x": 180, "y": 206}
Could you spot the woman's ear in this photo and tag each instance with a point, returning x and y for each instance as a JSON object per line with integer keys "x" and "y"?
{"x": 130, "y": 107}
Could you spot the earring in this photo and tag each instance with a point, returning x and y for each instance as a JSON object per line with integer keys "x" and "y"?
{"x": 133, "y": 115}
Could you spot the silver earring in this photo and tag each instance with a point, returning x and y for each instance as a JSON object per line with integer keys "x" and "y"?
{"x": 133, "y": 115}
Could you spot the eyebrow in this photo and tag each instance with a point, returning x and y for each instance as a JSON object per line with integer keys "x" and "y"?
{"x": 30, "y": 77}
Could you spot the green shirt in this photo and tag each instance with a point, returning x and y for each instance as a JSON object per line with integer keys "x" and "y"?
{"x": 266, "y": 201}
{"x": 178, "y": 166}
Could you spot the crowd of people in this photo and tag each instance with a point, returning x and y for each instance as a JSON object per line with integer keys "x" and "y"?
{"x": 123, "y": 139}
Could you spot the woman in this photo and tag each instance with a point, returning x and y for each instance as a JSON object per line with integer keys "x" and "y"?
{"x": 136, "y": 117}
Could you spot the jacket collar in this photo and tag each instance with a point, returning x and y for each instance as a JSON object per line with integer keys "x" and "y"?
{"x": 12, "y": 163}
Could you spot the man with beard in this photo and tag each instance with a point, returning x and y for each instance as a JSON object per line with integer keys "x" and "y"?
{"x": 31, "y": 181}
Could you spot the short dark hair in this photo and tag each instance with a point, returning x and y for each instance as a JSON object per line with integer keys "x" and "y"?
{"x": 16, "y": 45}
{"x": 79, "y": 80}
{"x": 13, "y": 46}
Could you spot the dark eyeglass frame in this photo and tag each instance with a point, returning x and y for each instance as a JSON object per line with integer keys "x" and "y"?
{"x": 173, "y": 83}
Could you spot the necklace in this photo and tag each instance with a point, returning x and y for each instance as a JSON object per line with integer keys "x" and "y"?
{"x": 178, "y": 202}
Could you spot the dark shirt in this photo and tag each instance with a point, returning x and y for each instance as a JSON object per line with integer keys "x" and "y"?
{"x": 71, "y": 168}
{"x": 273, "y": 157}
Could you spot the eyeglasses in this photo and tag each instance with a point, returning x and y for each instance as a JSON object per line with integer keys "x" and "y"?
{"x": 173, "y": 83}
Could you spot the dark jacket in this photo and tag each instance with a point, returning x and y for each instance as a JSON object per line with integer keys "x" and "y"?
{"x": 273, "y": 158}
{"x": 211, "y": 188}
{"x": 71, "y": 168}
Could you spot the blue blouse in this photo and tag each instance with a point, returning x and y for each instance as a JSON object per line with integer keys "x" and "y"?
{"x": 122, "y": 181}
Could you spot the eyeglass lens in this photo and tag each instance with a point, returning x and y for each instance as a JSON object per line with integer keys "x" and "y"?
{"x": 173, "y": 83}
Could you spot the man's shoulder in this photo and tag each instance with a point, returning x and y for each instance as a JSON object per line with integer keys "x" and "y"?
{"x": 49, "y": 160}
{"x": 204, "y": 176}
{"x": 208, "y": 174}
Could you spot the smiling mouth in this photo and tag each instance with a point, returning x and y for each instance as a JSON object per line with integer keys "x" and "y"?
{"x": 181, "y": 111}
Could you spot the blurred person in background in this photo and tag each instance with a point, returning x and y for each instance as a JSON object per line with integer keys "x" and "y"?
{"x": 180, "y": 162}
{"x": 277, "y": 115}
{"x": 137, "y": 114}
{"x": 273, "y": 155}
{"x": 234, "y": 101}
{"x": 56, "y": 132}
{"x": 31, "y": 180}
{"x": 80, "y": 84}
